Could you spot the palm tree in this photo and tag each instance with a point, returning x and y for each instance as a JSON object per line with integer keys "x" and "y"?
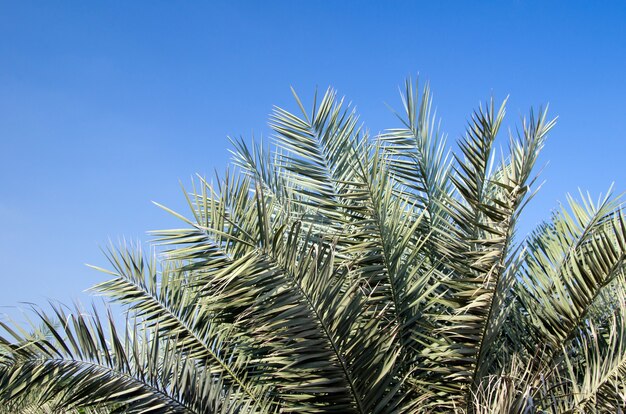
{"x": 334, "y": 272}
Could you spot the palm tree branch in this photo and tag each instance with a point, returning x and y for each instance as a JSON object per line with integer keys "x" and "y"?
{"x": 128, "y": 289}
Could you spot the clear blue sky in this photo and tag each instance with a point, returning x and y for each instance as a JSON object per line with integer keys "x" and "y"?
{"x": 105, "y": 106}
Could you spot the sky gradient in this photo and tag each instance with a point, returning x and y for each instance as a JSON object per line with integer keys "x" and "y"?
{"x": 105, "y": 106}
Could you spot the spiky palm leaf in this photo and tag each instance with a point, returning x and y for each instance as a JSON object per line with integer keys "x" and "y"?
{"x": 83, "y": 361}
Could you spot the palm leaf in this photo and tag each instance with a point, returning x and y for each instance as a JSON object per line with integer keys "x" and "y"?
{"x": 80, "y": 363}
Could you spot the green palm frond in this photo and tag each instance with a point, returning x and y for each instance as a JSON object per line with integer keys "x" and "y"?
{"x": 596, "y": 367}
{"x": 83, "y": 361}
{"x": 482, "y": 257}
{"x": 289, "y": 287}
{"x": 258, "y": 162}
{"x": 315, "y": 152}
{"x": 417, "y": 154}
{"x": 182, "y": 317}
{"x": 388, "y": 252}
{"x": 569, "y": 262}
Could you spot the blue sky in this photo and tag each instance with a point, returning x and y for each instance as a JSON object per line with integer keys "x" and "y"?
{"x": 105, "y": 106}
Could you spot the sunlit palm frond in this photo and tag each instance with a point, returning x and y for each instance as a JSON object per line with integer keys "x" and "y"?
{"x": 480, "y": 249}
{"x": 596, "y": 368}
{"x": 315, "y": 153}
{"x": 417, "y": 154}
{"x": 570, "y": 261}
{"x": 83, "y": 361}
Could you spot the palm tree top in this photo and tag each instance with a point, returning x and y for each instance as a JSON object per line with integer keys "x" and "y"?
{"x": 334, "y": 271}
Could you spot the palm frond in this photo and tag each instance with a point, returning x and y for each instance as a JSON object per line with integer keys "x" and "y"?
{"x": 315, "y": 152}
{"x": 569, "y": 262}
{"x": 171, "y": 304}
{"x": 82, "y": 361}
{"x": 417, "y": 154}
{"x": 596, "y": 367}
{"x": 479, "y": 244}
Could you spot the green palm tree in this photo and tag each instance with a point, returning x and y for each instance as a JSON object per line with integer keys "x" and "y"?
{"x": 335, "y": 272}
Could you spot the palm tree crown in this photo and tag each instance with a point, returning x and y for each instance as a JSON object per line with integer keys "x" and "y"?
{"x": 334, "y": 272}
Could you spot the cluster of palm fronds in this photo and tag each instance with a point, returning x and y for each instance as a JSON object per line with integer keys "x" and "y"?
{"x": 341, "y": 273}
